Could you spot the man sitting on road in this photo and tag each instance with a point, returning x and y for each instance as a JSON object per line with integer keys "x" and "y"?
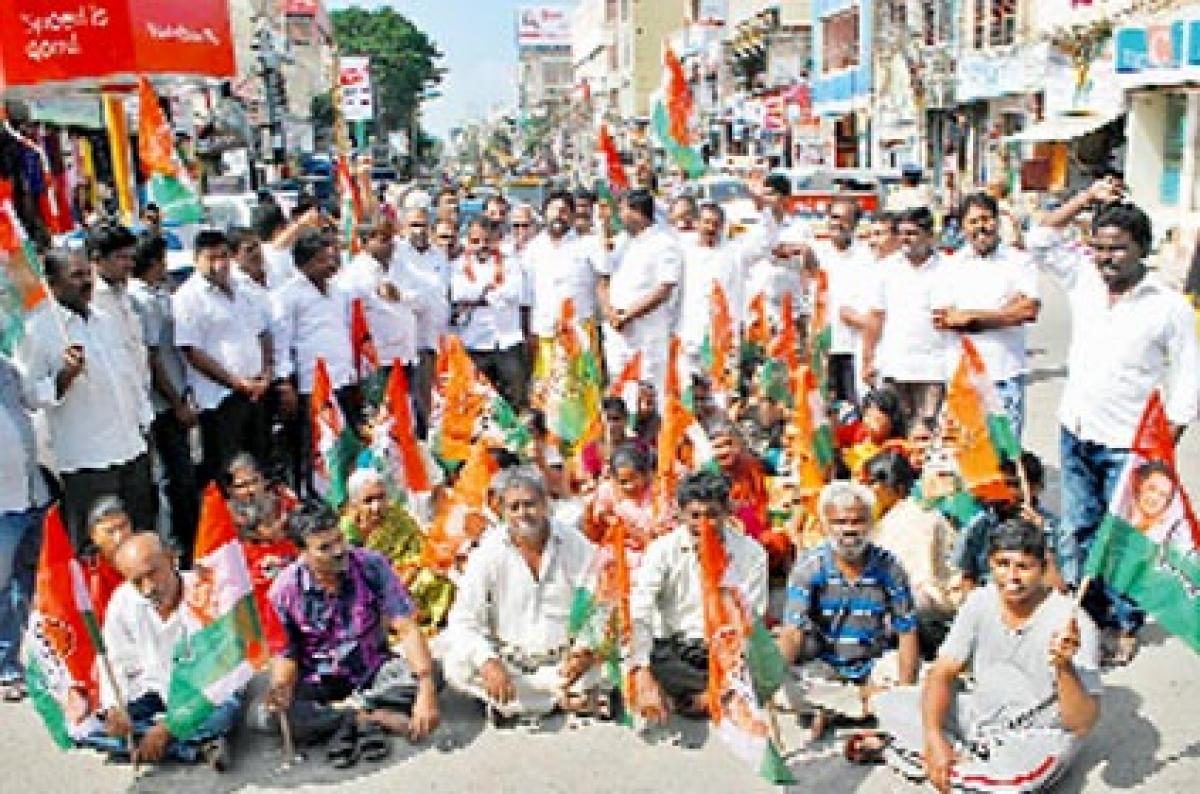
{"x": 670, "y": 654}
{"x": 847, "y": 601}
{"x": 337, "y": 605}
{"x": 1035, "y": 661}
{"x": 507, "y": 642}
{"x": 145, "y": 622}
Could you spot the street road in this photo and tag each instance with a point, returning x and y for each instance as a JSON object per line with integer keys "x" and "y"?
{"x": 1147, "y": 740}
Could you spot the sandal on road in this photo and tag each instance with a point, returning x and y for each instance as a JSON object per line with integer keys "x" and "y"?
{"x": 866, "y": 748}
{"x": 13, "y": 692}
{"x": 374, "y": 744}
{"x": 343, "y": 750}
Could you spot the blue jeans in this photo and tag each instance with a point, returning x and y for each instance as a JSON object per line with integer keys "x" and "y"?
{"x": 1089, "y": 474}
{"x": 20, "y": 543}
{"x": 142, "y": 713}
{"x": 1012, "y": 397}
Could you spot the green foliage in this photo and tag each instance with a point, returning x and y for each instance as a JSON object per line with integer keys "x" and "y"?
{"x": 404, "y": 60}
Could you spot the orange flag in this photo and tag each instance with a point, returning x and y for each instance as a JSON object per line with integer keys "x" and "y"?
{"x": 965, "y": 419}
{"x": 678, "y": 98}
{"x": 400, "y": 431}
{"x": 758, "y": 330}
{"x": 366, "y": 359}
{"x": 783, "y": 346}
{"x": 713, "y": 562}
{"x": 459, "y": 517}
{"x": 721, "y": 342}
{"x": 461, "y": 403}
{"x": 614, "y": 171}
{"x": 156, "y": 141}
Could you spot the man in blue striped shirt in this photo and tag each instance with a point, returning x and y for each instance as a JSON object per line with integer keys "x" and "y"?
{"x": 848, "y": 602}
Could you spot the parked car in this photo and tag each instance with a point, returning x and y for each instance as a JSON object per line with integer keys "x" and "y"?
{"x": 733, "y": 195}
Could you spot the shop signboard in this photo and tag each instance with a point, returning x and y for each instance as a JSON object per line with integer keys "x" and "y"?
{"x": 56, "y": 42}
{"x": 988, "y": 75}
{"x": 543, "y": 26}
{"x": 1162, "y": 54}
{"x": 358, "y": 103}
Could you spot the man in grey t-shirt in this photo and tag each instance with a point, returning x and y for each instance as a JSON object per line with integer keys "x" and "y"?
{"x": 1034, "y": 658}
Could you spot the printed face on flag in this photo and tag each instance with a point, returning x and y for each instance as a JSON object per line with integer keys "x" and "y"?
{"x": 1148, "y": 497}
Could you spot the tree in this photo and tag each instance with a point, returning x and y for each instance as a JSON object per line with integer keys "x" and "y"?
{"x": 404, "y": 62}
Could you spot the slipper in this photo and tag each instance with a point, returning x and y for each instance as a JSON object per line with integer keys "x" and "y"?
{"x": 14, "y": 692}
{"x": 866, "y": 748}
{"x": 343, "y": 749}
{"x": 374, "y": 744}
{"x": 1127, "y": 648}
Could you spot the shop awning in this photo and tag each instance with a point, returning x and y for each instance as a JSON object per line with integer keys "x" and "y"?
{"x": 1063, "y": 128}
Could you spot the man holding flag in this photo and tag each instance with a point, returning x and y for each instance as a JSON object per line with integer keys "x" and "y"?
{"x": 1131, "y": 335}
{"x": 145, "y": 627}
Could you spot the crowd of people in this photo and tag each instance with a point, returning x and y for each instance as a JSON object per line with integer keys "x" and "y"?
{"x": 132, "y": 391}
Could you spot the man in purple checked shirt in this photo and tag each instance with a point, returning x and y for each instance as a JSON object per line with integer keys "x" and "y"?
{"x": 337, "y": 605}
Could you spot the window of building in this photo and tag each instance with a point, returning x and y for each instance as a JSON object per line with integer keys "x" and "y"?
{"x": 935, "y": 18}
{"x": 995, "y": 23}
{"x": 839, "y": 40}
{"x": 1174, "y": 140}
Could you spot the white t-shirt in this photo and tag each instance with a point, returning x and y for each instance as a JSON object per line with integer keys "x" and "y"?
{"x": 225, "y": 326}
{"x": 278, "y": 265}
{"x": 392, "y": 323}
{"x": 428, "y": 275}
{"x": 987, "y": 283}
{"x": 641, "y": 265}
{"x": 851, "y": 278}
{"x": 558, "y": 270}
{"x": 911, "y": 349}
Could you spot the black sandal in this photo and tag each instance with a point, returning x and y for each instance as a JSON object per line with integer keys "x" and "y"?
{"x": 343, "y": 749}
{"x": 374, "y": 744}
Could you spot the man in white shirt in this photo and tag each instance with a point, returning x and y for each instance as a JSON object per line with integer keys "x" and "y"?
{"x": 486, "y": 291}
{"x": 848, "y": 267}
{"x": 670, "y": 651}
{"x": 584, "y": 218}
{"x": 782, "y": 262}
{"x": 220, "y": 329}
{"x": 424, "y": 269}
{"x": 110, "y": 246}
{"x": 278, "y": 235}
{"x": 912, "y": 193}
{"x": 89, "y": 385}
{"x": 561, "y": 265}
{"x": 909, "y": 352}
{"x": 311, "y": 321}
{"x": 1130, "y": 335}
{"x": 390, "y": 312}
{"x": 147, "y": 619}
{"x": 507, "y": 640}
{"x": 638, "y": 299}
{"x": 684, "y": 217}
{"x": 709, "y": 260}
{"x": 990, "y": 293}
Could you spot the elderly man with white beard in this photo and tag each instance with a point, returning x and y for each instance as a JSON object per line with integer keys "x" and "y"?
{"x": 507, "y": 643}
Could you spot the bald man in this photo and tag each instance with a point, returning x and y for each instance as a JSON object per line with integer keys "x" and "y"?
{"x": 150, "y": 618}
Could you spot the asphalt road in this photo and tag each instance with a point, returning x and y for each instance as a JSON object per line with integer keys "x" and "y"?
{"x": 1147, "y": 740}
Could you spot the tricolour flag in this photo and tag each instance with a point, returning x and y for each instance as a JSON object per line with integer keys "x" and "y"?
{"x": 335, "y": 445}
{"x": 459, "y": 518}
{"x": 352, "y": 210}
{"x": 167, "y": 182}
{"x": 62, "y": 641}
{"x": 366, "y": 358}
{"x": 745, "y": 668}
{"x": 467, "y": 406}
{"x": 223, "y": 642}
{"x": 717, "y": 351}
{"x": 600, "y": 615}
{"x": 569, "y": 394}
{"x": 394, "y": 441}
{"x": 614, "y": 171}
{"x": 1148, "y": 545}
{"x": 984, "y": 433}
{"x": 820, "y": 332}
{"x": 811, "y": 447}
{"x": 672, "y": 114}
{"x": 22, "y": 288}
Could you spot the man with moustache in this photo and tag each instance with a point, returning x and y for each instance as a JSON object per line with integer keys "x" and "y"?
{"x": 848, "y": 600}
{"x": 1130, "y": 335}
{"x": 909, "y": 351}
{"x": 669, "y": 656}
{"x": 990, "y": 294}
{"x": 87, "y": 376}
{"x": 220, "y": 328}
{"x": 421, "y": 268}
{"x": 338, "y": 605}
{"x": 561, "y": 265}
{"x": 311, "y": 319}
{"x": 146, "y": 621}
{"x": 1035, "y": 662}
{"x": 486, "y": 292}
{"x": 507, "y": 640}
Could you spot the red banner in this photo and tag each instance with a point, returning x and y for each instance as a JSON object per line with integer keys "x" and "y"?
{"x": 83, "y": 41}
